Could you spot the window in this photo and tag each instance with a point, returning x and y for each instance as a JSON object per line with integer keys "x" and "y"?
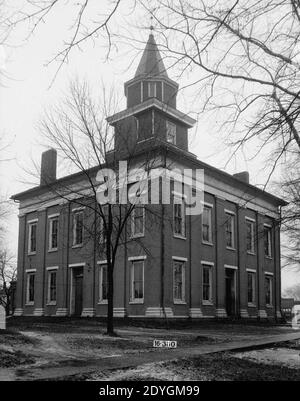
{"x": 251, "y": 287}
{"x": 206, "y": 225}
{"x": 229, "y": 228}
{"x": 267, "y": 241}
{"x": 250, "y": 236}
{"x": 179, "y": 219}
{"x": 53, "y": 234}
{"x": 171, "y": 132}
{"x": 138, "y": 221}
{"x": 151, "y": 89}
{"x": 78, "y": 228}
{"x": 30, "y": 288}
{"x": 206, "y": 283}
{"x": 32, "y": 238}
{"x": 137, "y": 281}
{"x": 178, "y": 281}
{"x": 103, "y": 289}
{"x": 52, "y": 284}
{"x": 268, "y": 290}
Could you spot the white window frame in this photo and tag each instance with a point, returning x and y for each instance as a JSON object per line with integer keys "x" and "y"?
{"x": 252, "y": 223}
{"x": 269, "y": 230}
{"x": 32, "y": 223}
{"x": 181, "y": 261}
{"x": 50, "y": 271}
{"x": 133, "y": 233}
{"x": 270, "y": 278}
{"x": 169, "y": 125}
{"x": 253, "y": 275}
{"x": 101, "y": 267}
{"x": 231, "y": 215}
{"x": 182, "y": 234}
{"x": 209, "y": 265}
{"x": 75, "y": 213}
{"x": 30, "y": 273}
{"x": 51, "y": 219}
{"x": 134, "y": 260}
{"x": 209, "y": 241}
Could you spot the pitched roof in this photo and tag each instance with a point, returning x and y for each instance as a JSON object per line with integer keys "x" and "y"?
{"x": 151, "y": 63}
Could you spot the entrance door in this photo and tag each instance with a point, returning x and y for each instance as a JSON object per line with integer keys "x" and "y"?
{"x": 230, "y": 292}
{"x": 78, "y": 281}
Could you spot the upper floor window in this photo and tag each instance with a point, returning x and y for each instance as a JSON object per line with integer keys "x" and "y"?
{"x": 178, "y": 281}
{"x": 103, "y": 284}
{"x": 179, "y": 219}
{"x": 229, "y": 230}
{"x": 171, "y": 132}
{"x": 268, "y": 290}
{"x": 206, "y": 283}
{"x": 138, "y": 221}
{"x": 32, "y": 237}
{"x": 251, "y": 287}
{"x": 267, "y": 241}
{"x": 206, "y": 225}
{"x": 52, "y": 284}
{"x": 78, "y": 228}
{"x": 250, "y": 227}
{"x": 137, "y": 281}
{"x": 30, "y": 288}
{"x": 151, "y": 89}
{"x": 53, "y": 233}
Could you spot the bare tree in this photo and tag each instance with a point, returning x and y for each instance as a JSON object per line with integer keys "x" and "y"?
{"x": 8, "y": 273}
{"x": 293, "y": 292}
{"x": 78, "y": 130}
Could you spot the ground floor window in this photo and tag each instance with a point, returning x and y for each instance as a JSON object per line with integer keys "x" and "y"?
{"x": 52, "y": 274}
{"x": 103, "y": 289}
{"x": 137, "y": 281}
{"x": 251, "y": 287}
{"x": 268, "y": 290}
{"x": 206, "y": 283}
{"x": 30, "y": 288}
{"x": 178, "y": 281}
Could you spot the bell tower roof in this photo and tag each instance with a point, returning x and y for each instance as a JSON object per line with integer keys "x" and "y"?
{"x": 151, "y": 63}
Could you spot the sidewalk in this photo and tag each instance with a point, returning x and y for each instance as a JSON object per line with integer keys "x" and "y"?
{"x": 81, "y": 367}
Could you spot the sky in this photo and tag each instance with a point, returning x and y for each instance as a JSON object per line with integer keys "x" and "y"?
{"x": 28, "y": 89}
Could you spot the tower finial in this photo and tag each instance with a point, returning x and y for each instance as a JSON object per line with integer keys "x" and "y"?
{"x": 151, "y": 24}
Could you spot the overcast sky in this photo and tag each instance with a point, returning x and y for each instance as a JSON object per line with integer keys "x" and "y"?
{"x": 28, "y": 89}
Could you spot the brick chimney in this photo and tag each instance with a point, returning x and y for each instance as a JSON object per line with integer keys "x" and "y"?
{"x": 48, "y": 167}
{"x": 242, "y": 176}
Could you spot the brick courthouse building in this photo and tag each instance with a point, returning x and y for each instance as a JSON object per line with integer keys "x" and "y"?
{"x": 223, "y": 263}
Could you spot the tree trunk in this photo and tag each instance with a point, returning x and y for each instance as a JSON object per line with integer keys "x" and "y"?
{"x": 110, "y": 306}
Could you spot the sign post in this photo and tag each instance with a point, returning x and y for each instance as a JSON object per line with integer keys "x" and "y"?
{"x": 2, "y": 318}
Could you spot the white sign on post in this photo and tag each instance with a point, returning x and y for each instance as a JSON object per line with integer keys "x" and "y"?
{"x": 2, "y": 318}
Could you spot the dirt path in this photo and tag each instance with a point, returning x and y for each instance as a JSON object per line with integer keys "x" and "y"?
{"x": 56, "y": 361}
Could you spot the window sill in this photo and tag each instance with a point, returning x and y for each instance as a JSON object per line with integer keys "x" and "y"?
{"x": 251, "y": 305}
{"x": 52, "y": 250}
{"x": 179, "y": 302}
{"x": 77, "y": 246}
{"x": 230, "y": 248}
{"x": 136, "y": 302}
{"x": 51, "y": 303}
{"x": 207, "y": 303}
{"x": 268, "y": 257}
{"x": 137, "y": 236}
{"x": 103, "y": 302}
{"x": 251, "y": 253}
{"x": 29, "y": 304}
{"x": 31, "y": 253}
{"x": 179, "y": 236}
{"x": 269, "y": 306}
{"x": 207, "y": 243}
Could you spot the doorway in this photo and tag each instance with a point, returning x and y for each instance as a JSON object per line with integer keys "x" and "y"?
{"x": 230, "y": 288}
{"x": 77, "y": 291}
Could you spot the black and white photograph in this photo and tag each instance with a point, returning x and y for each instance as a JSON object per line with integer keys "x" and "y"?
{"x": 149, "y": 193}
